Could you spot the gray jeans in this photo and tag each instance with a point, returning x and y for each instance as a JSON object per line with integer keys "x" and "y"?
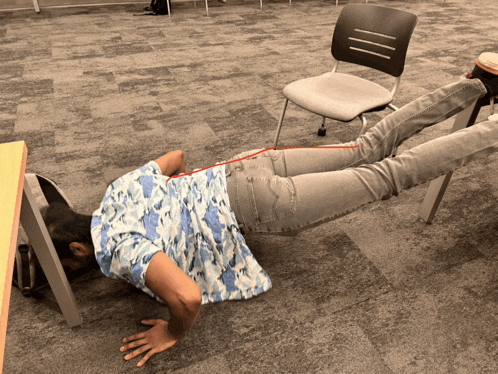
{"x": 287, "y": 190}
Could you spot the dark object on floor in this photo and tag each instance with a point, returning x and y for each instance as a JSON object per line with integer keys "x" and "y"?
{"x": 159, "y": 7}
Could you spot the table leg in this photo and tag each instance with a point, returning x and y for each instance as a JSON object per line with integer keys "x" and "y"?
{"x": 37, "y": 233}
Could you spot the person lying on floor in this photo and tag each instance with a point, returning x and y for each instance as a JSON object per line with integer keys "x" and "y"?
{"x": 179, "y": 237}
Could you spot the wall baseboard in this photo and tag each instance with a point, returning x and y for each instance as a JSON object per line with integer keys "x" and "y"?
{"x": 12, "y": 5}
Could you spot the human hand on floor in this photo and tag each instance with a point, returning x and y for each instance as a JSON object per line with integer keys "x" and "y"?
{"x": 155, "y": 340}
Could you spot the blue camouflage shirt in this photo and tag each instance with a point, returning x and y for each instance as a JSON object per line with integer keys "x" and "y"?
{"x": 188, "y": 218}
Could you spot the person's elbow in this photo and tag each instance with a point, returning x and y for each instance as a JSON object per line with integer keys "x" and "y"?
{"x": 180, "y": 162}
{"x": 191, "y": 301}
{"x": 179, "y": 155}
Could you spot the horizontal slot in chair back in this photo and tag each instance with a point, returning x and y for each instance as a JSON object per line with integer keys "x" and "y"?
{"x": 373, "y": 36}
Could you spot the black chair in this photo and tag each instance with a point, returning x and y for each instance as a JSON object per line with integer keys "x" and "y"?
{"x": 372, "y": 36}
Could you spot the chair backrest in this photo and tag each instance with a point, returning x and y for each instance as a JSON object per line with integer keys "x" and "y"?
{"x": 373, "y": 36}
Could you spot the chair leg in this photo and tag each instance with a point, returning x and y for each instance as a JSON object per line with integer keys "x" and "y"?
{"x": 207, "y": 10}
{"x": 169, "y": 8}
{"x": 37, "y": 233}
{"x": 280, "y": 121}
{"x": 37, "y": 7}
{"x": 394, "y": 109}
{"x": 322, "y": 130}
{"x": 363, "y": 124}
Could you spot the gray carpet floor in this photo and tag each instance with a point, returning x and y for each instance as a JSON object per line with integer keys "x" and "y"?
{"x": 96, "y": 92}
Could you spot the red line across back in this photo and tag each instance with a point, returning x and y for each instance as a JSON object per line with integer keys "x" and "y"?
{"x": 255, "y": 154}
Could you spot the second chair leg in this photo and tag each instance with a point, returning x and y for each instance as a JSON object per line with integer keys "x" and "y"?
{"x": 280, "y": 121}
{"x": 363, "y": 124}
{"x": 322, "y": 131}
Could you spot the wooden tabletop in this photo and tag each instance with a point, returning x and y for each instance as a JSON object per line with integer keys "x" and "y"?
{"x": 12, "y": 169}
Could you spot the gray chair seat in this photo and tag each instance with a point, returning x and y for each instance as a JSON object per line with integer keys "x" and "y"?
{"x": 340, "y": 96}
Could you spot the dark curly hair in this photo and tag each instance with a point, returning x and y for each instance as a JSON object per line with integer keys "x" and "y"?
{"x": 65, "y": 226}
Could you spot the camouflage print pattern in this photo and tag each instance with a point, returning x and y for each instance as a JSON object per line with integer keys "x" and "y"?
{"x": 187, "y": 217}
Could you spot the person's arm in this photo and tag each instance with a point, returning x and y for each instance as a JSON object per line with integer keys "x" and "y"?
{"x": 183, "y": 297}
{"x": 172, "y": 163}
{"x": 179, "y": 291}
